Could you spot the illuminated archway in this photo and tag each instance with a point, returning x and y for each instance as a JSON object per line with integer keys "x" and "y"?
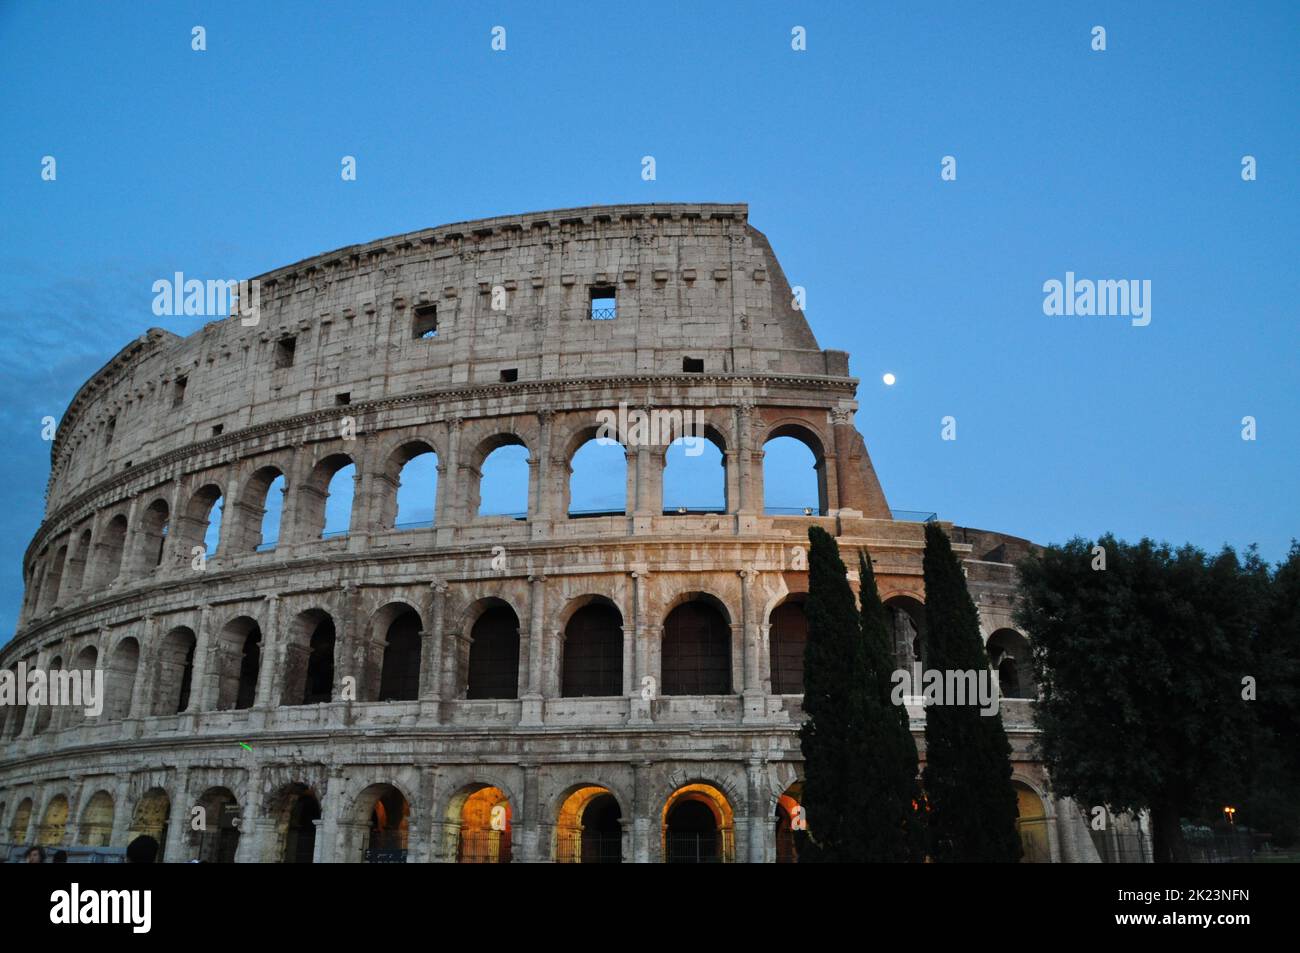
{"x": 698, "y": 826}
{"x": 589, "y": 828}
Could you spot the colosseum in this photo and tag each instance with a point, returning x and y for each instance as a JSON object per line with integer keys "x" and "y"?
{"x": 299, "y": 667}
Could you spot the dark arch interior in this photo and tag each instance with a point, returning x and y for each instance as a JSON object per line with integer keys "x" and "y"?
{"x": 602, "y": 832}
{"x": 593, "y": 652}
{"x": 788, "y": 636}
{"x": 494, "y": 655}
{"x": 320, "y": 664}
{"x": 692, "y": 835}
{"x": 696, "y": 651}
{"x": 400, "y": 678}
{"x": 300, "y": 836}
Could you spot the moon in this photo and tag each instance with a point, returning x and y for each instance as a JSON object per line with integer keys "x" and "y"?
{"x": 889, "y": 380}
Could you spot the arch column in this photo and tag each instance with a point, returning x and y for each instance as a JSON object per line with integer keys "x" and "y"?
{"x": 122, "y": 814}
{"x": 142, "y": 690}
{"x": 178, "y": 815}
{"x": 761, "y": 848}
{"x": 447, "y": 509}
{"x": 530, "y": 711}
{"x": 431, "y": 649}
{"x": 327, "y": 834}
{"x": 754, "y": 703}
{"x": 542, "y": 502}
{"x": 203, "y": 682}
{"x": 644, "y": 815}
{"x": 271, "y": 662}
{"x": 640, "y": 708}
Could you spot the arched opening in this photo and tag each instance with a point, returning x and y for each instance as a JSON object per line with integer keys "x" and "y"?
{"x": 175, "y": 671}
{"x": 296, "y": 810}
{"x": 15, "y": 723}
{"x": 54, "y": 824}
{"x": 327, "y": 496}
{"x": 387, "y": 816}
{"x": 696, "y": 656}
{"x": 482, "y": 818}
{"x": 97, "y": 821}
{"x": 906, "y": 617}
{"x": 77, "y": 566}
{"x": 214, "y": 833}
{"x": 593, "y": 652}
{"x": 494, "y": 654}
{"x": 794, "y": 473}
{"x": 260, "y": 510}
{"x": 698, "y": 826}
{"x": 597, "y": 484}
{"x": 400, "y": 674}
{"x": 339, "y": 496}
{"x": 787, "y": 637}
{"x": 203, "y": 518}
{"x": 85, "y": 663}
{"x": 46, "y": 711}
{"x": 414, "y": 474}
{"x": 154, "y": 526}
{"x": 114, "y": 544}
{"x": 589, "y": 828}
{"x": 1009, "y": 656}
{"x": 1032, "y": 825}
{"x": 54, "y": 577}
{"x": 119, "y": 680}
{"x": 309, "y": 659}
{"x": 695, "y": 475}
{"x": 151, "y": 817}
{"x": 239, "y": 657}
{"x": 22, "y": 821}
{"x": 502, "y": 489}
{"x": 791, "y": 828}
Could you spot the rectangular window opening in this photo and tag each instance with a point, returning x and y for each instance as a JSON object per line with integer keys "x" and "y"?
{"x": 284, "y": 349}
{"x": 509, "y": 375}
{"x": 218, "y": 430}
{"x": 693, "y": 365}
{"x": 109, "y": 428}
{"x": 424, "y": 321}
{"x": 178, "y": 395}
{"x": 604, "y": 303}
{"x": 343, "y": 399}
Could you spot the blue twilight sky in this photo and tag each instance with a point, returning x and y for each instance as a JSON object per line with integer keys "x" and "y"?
{"x": 1117, "y": 164}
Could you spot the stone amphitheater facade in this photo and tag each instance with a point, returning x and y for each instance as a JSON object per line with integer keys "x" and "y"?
{"x": 340, "y": 697}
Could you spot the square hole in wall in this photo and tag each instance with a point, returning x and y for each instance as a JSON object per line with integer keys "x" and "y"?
{"x": 693, "y": 365}
{"x": 509, "y": 375}
{"x": 343, "y": 399}
{"x": 178, "y": 392}
{"x": 424, "y": 321}
{"x": 218, "y": 430}
{"x": 284, "y": 351}
{"x": 604, "y": 303}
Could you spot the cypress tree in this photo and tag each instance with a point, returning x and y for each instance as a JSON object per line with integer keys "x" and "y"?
{"x": 967, "y": 757}
{"x": 834, "y": 743}
{"x": 891, "y": 772}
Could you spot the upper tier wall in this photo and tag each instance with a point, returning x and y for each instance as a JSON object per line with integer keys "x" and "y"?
{"x": 692, "y": 281}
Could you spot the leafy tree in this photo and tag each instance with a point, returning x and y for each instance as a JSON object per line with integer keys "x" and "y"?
{"x": 1272, "y": 805}
{"x": 1140, "y": 667}
{"x": 967, "y": 776}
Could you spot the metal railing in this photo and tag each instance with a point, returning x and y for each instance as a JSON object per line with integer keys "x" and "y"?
{"x": 603, "y": 314}
{"x": 914, "y": 516}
